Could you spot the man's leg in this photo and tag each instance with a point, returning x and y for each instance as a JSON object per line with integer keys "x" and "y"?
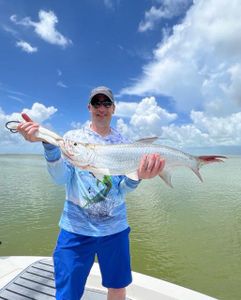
{"x": 116, "y": 294}
{"x": 73, "y": 259}
{"x": 114, "y": 259}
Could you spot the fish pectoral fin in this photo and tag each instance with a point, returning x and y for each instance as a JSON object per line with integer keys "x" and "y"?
{"x": 166, "y": 176}
{"x": 196, "y": 172}
{"x": 148, "y": 140}
{"x": 133, "y": 176}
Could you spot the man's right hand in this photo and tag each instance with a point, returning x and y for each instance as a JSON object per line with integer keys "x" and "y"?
{"x": 28, "y": 129}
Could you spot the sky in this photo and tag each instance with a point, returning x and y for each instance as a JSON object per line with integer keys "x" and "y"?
{"x": 174, "y": 67}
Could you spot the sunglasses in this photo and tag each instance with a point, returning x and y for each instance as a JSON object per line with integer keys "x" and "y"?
{"x": 96, "y": 103}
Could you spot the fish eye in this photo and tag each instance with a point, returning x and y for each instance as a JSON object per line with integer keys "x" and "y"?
{"x": 75, "y": 144}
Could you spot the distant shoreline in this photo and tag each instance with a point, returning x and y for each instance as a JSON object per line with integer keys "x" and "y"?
{"x": 24, "y": 154}
{"x": 212, "y": 150}
{"x": 38, "y": 155}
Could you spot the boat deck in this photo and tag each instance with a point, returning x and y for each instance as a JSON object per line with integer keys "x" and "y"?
{"x": 36, "y": 282}
{"x": 32, "y": 278}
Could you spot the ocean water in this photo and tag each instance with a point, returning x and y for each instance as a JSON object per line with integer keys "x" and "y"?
{"x": 189, "y": 235}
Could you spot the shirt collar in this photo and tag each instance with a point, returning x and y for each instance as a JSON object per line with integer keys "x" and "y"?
{"x": 88, "y": 128}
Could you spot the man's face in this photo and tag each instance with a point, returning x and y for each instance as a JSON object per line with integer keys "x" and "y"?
{"x": 101, "y": 109}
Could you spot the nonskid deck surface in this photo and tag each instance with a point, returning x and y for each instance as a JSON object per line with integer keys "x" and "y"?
{"x": 36, "y": 282}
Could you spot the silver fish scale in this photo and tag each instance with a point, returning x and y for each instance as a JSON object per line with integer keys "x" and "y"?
{"x": 124, "y": 158}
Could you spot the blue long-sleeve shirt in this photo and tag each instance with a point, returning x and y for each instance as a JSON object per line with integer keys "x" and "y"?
{"x": 93, "y": 207}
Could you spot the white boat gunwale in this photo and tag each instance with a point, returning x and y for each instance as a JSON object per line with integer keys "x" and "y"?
{"x": 143, "y": 287}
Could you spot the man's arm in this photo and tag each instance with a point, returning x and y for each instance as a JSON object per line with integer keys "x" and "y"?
{"x": 150, "y": 166}
{"x": 59, "y": 170}
{"x": 28, "y": 129}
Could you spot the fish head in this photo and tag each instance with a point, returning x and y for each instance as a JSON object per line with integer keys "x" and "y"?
{"x": 76, "y": 152}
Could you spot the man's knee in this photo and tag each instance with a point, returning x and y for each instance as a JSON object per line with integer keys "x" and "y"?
{"x": 116, "y": 294}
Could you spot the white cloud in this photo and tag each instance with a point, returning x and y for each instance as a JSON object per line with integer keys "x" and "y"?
{"x": 108, "y": 3}
{"x": 167, "y": 10}
{"x": 16, "y": 98}
{"x": 125, "y": 109}
{"x": 198, "y": 66}
{"x": 125, "y": 129}
{"x": 203, "y": 130}
{"x": 186, "y": 135}
{"x": 224, "y": 130}
{"x": 7, "y": 90}
{"x": 111, "y": 4}
{"x": 146, "y": 118}
{"x": 233, "y": 88}
{"x": 14, "y": 142}
{"x": 40, "y": 112}
{"x": 61, "y": 84}
{"x": 149, "y": 113}
{"x": 26, "y": 47}
{"x": 78, "y": 125}
{"x": 10, "y": 30}
{"x": 45, "y": 28}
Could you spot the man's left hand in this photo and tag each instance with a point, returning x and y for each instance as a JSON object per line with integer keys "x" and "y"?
{"x": 150, "y": 166}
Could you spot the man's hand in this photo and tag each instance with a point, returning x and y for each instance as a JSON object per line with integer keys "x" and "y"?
{"x": 28, "y": 129}
{"x": 150, "y": 166}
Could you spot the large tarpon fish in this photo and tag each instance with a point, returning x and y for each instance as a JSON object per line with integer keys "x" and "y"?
{"x": 124, "y": 159}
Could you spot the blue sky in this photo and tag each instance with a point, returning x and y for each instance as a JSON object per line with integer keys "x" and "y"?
{"x": 174, "y": 67}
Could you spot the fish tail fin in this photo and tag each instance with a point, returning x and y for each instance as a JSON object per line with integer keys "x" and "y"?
{"x": 166, "y": 176}
{"x": 209, "y": 159}
{"x": 204, "y": 160}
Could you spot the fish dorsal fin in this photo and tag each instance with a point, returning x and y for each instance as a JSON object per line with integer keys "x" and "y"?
{"x": 148, "y": 140}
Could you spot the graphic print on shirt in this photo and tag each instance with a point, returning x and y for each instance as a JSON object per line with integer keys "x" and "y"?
{"x": 97, "y": 200}
{"x": 101, "y": 195}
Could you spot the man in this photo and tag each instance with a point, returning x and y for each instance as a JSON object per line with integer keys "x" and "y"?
{"x": 94, "y": 219}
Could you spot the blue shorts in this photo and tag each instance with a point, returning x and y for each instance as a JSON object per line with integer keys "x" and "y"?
{"x": 74, "y": 256}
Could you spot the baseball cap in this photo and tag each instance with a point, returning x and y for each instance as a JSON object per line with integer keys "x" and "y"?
{"x": 102, "y": 90}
